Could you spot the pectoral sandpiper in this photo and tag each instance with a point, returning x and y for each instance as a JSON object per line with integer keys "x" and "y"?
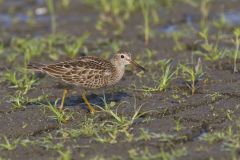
{"x": 88, "y": 72}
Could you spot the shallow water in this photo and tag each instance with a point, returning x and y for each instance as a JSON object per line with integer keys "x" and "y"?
{"x": 232, "y": 17}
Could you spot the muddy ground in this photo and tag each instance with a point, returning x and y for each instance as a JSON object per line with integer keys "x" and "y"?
{"x": 175, "y": 123}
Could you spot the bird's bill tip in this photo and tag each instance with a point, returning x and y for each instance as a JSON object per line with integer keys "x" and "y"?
{"x": 137, "y": 65}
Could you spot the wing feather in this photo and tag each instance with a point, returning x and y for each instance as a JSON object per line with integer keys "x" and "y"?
{"x": 88, "y": 72}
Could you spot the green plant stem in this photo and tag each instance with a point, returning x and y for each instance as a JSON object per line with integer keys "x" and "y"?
{"x": 236, "y": 54}
{"x": 193, "y": 88}
{"x": 50, "y": 5}
{"x": 145, "y": 12}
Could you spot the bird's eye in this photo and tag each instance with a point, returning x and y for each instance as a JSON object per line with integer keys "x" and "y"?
{"x": 122, "y": 56}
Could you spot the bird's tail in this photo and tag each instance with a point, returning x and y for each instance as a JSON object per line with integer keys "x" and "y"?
{"x": 35, "y": 67}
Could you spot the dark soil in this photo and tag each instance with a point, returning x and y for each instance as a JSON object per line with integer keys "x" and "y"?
{"x": 199, "y": 114}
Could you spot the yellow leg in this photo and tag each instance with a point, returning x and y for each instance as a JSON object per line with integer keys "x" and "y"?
{"x": 63, "y": 99}
{"x": 91, "y": 109}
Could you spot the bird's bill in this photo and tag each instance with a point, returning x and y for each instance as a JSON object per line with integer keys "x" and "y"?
{"x": 137, "y": 65}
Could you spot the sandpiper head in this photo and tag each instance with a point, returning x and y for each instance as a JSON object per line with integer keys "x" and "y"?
{"x": 125, "y": 59}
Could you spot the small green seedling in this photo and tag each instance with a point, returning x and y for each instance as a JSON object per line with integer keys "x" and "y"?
{"x": 7, "y": 145}
{"x": 73, "y": 48}
{"x": 178, "y": 125}
{"x": 213, "y": 137}
{"x": 121, "y": 119}
{"x": 204, "y": 34}
{"x": 177, "y": 38}
{"x": 65, "y": 3}
{"x": 236, "y": 42}
{"x": 146, "y": 154}
{"x": 211, "y": 50}
{"x": 166, "y": 78}
{"x": 113, "y": 13}
{"x": 19, "y": 100}
{"x": 22, "y": 81}
{"x": 29, "y": 48}
{"x": 88, "y": 128}
{"x": 60, "y": 116}
{"x": 65, "y": 155}
{"x": 1, "y": 48}
{"x": 192, "y": 75}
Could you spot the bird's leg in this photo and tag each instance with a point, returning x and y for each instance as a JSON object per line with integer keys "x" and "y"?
{"x": 63, "y": 99}
{"x": 89, "y": 106}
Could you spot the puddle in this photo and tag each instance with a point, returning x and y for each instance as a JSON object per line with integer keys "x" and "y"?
{"x": 7, "y": 21}
{"x": 40, "y": 2}
{"x": 179, "y": 27}
{"x": 189, "y": 20}
{"x": 202, "y": 136}
{"x": 40, "y": 13}
{"x": 169, "y": 29}
{"x": 232, "y": 17}
{"x": 22, "y": 17}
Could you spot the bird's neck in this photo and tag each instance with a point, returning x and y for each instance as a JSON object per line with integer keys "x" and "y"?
{"x": 118, "y": 65}
{"x": 120, "y": 68}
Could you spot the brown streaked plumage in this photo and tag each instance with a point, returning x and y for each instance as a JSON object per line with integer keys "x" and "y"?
{"x": 88, "y": 72}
